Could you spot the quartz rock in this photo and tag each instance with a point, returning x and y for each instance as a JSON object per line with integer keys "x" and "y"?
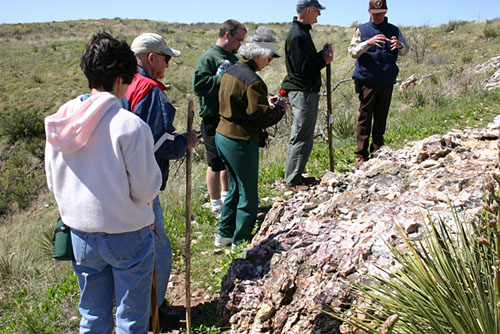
{"x": 309, "y": 248}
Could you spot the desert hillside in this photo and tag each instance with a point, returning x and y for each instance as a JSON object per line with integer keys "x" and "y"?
{"x": 446, "y": 87}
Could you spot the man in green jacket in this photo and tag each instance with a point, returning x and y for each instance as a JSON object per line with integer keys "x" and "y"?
{"x": 206, "y": 82}
{"x": 303, "y": 82}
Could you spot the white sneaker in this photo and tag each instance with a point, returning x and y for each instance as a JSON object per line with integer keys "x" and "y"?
{"x": 216, "y": 211}
{"x": 220, "y": 241}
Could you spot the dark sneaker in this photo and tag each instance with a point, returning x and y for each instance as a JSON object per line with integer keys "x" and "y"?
{"x": 309, "y": 180}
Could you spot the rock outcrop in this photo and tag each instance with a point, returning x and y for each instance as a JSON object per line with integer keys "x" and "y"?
{"x": 311, "y": 246}
{"x": 492, "y": 82}
{"x": 492, "y": 65}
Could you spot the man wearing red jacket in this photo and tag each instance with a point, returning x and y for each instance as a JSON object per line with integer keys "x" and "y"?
{"x": 145, "y": 97}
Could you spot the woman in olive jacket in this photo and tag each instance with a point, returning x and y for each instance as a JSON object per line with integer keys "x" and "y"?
{"x": 245, "y": 111}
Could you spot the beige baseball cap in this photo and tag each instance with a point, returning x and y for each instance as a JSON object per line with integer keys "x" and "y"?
{"x": 150, "y": 42}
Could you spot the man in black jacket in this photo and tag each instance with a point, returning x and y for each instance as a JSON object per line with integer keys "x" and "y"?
{"x": 302, "y": 84}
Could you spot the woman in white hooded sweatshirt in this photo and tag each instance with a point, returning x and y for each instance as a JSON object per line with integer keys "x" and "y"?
{"x": 101, "y": 168}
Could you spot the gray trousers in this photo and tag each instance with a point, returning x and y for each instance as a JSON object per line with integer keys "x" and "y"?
{"x": 305, "y": 112}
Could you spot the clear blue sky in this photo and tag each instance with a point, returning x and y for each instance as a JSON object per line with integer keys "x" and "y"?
{"x": 344, "y": 13}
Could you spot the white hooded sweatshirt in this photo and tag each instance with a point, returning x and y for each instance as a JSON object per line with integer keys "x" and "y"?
{"x": 100, "y": 165}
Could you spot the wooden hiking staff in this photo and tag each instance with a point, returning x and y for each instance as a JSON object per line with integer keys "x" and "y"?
{"x": 190, "y": 117}
{"x": 329, "y": 114}
{"x": 155, "y": 315}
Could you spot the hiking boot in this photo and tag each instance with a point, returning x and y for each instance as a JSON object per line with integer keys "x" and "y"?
{"x": 309, "y": 180}
{"x": 360, "y": 161}
{"x": 168, "y": 321}
{"x": 298, "y": 187}
{"x": 221, "y": 241}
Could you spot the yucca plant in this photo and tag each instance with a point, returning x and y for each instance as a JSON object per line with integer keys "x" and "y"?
{"x": 449, "y": 281}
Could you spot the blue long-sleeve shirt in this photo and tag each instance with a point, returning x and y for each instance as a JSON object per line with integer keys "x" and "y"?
{"x": 145, "y": 97}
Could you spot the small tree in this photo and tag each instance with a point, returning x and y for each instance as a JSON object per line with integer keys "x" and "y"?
{"x": 420, "y": 41}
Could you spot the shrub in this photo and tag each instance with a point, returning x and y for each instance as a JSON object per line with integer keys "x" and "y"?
{"x": 344, "y": 123}
{"x": 467, "y": 59}
{"x": 420, "y": 41}
{"x": 20, "y": 181}
{"x": 437, "y": 60}
{"x": 453, "y": 25}
{"x": 37, "y": 79}
{"x": 22, "y": 125}
{"x": 489, "y": 32}
{"x": 415, "y": 98}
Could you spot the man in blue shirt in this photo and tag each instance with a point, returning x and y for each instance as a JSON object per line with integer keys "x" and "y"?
{"x": 145, "y": 97}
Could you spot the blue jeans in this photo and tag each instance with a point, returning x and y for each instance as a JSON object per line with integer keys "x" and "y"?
{"x": 114, "y": 265}
{"x": 163, "y": 252}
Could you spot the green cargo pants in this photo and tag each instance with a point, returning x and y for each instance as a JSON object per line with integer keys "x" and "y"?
{"x": 241, "y": 158}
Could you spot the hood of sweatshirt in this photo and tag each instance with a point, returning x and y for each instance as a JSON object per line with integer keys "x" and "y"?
{"x": 70, "y": 128}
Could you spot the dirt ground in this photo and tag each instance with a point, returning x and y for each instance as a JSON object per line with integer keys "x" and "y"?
{"x": 203, "y": 305}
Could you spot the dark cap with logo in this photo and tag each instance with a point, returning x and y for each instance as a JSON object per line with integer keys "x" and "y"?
{"x": 377, "y": 6}
{"x": 309, "y": 3}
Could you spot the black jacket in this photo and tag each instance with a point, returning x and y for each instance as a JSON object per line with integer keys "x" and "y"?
{"x": 303, "y": 62}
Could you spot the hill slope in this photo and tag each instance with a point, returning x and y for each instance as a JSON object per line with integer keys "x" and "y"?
{"x": 40, "y": 67}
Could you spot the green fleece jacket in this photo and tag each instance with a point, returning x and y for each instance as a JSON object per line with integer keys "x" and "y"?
{"x": 244, "y": 109}
{"x": 206, "y": 82}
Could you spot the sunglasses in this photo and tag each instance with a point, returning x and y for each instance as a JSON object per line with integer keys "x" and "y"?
{"x": 167, "y": 57}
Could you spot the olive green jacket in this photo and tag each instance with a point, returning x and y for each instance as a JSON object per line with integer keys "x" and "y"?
{"x": 244, "y": 108}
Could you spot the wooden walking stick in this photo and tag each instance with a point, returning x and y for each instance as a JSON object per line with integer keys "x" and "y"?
{"x": 188, "y": 221}
{"x": 155, "y": 315}
{"x": 329, "y": 114}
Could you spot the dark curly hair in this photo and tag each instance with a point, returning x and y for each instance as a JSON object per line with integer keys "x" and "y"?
{"x": 105, "y": 59}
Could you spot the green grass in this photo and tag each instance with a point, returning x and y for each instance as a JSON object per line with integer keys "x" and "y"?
{"x": 37, "y": 294}
{"x": 41, "y": 63}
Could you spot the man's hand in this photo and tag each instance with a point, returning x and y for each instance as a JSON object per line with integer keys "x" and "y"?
{"x": 192, "y": 139}
{"x": 328, "y": 53}
{"x": 378, "y": 40}
{"x": 395, "y": 44}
